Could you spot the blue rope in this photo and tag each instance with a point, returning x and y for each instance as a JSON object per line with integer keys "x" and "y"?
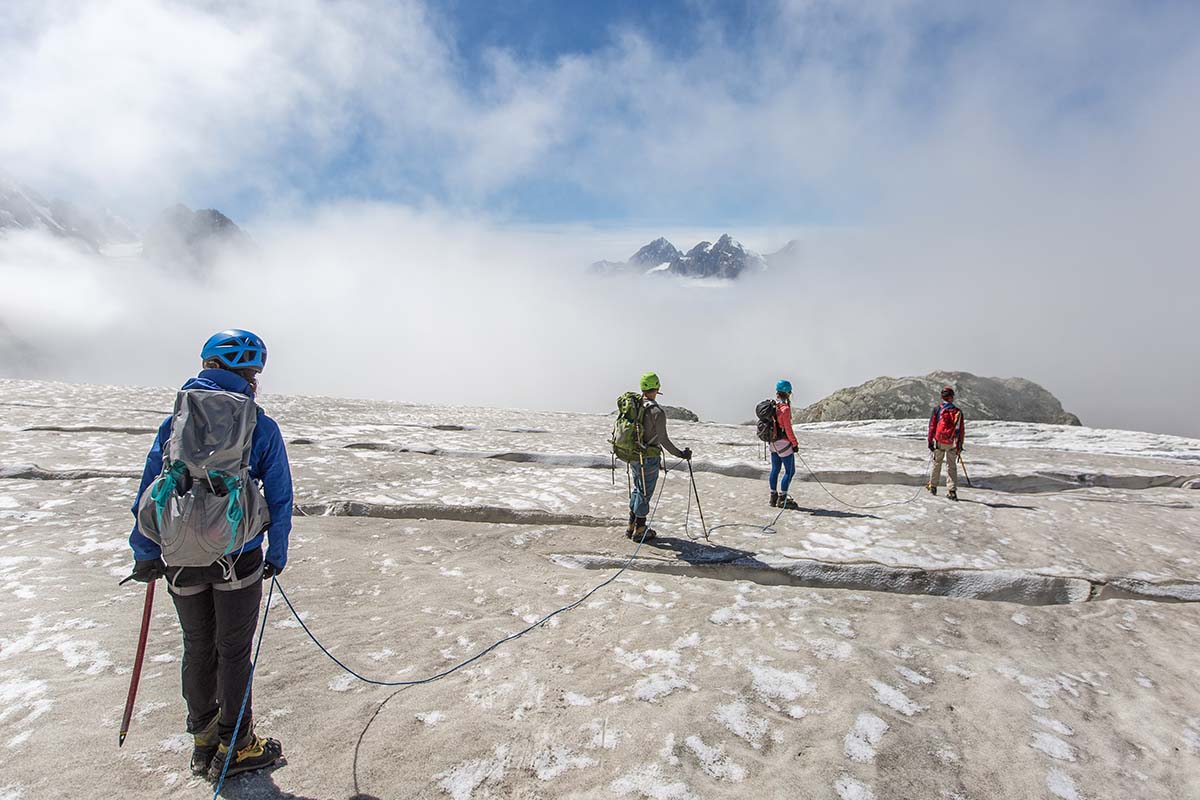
{"x": 246, "y": 696}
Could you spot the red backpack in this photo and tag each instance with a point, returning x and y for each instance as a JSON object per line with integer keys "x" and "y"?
{"x": 948, "y": 421}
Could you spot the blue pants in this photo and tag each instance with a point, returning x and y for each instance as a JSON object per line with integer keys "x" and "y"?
{"x": 639, "y": 501}
{"x": 789, "y": 470}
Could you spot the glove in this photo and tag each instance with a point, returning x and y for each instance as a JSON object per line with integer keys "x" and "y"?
{"x": 687, "y": 454}
{"x": 270, "y": 570}
{"x": 931, "y": 445}
{"x": 147, "y": 571}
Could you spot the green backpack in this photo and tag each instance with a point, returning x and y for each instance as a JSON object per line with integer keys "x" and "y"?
{"x": 627, "y": 431}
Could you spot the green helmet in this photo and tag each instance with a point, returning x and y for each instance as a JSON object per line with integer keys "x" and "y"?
{"x": 650, "y": 381}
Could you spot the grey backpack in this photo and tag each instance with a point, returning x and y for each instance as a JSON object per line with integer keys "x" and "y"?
{"x": 204, "y": 506}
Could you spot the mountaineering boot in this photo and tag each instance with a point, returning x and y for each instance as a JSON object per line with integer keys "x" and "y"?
{"x": 632, "y": 524}
{"x": 787, "y": 502}
{"x": 952, "y": 494}
{"x": 774, "y": 498}
{"x": 932, "y": 489}
{"x": 641, "y": 533}
{"x": 252, "y": 752}
{"x": 204, "y": 747}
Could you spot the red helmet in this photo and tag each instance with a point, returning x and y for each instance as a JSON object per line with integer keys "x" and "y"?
{"x": 947, "y": 392}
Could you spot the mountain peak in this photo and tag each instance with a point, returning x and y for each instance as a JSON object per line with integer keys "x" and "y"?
{"x": 188, "y": 238}
{"x": 727, "y": 259}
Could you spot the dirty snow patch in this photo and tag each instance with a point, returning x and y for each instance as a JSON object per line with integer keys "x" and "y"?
{"x": 658, "y": 685}
{"x": 736, "y": 717}
{"x": 649, "y": 782}
{"x": 850, "y": 789}
{"x": 895, "y": 699}
{"x": 461, "y": 781}
{"x": 1060, "y": 728}
{"x": 776, "y": 684}
{"x": 342, "y": 683}
{"x": 551, "y": 763}
{"x": 1052, "y": 746}
{"x": 913, "y": 677}
{"x": 830, "y": 649}
{"x": 860, "y": 742}
{"x": 684, "y": 642}
{"x": 1061, "y": 785}
{"x": 714, "y": 762}
{"x": 839, "y": 626}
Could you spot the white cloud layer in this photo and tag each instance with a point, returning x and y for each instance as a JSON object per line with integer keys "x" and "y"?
{"x": 1020, "y": 179}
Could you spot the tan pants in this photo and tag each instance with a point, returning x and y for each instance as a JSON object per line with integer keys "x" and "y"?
{"x": 947, "y": 452}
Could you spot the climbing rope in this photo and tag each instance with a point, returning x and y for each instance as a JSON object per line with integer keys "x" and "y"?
{"x": 275, "y": 584}
{"x": 237, "y": 728}
{"x": 405, "y": 685}
{"x": 813, "y": 475}
{"x": 451, "y": 670}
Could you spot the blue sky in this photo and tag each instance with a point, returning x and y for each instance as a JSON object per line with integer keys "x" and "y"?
{"x": 641, "y": 114}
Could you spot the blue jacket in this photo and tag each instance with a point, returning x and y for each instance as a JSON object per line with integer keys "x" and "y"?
{"x": 268, "y": 464}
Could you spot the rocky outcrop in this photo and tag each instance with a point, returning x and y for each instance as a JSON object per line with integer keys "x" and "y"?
{"x": 680, "y": 413}
{"x": 1012, "y": 399}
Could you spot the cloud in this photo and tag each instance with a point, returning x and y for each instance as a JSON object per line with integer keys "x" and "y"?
{"x": 1005, "y": 189}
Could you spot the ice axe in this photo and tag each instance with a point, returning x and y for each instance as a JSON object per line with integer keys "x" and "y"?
{"x": 137, "y": 663}
{"x": 966, "y": 475}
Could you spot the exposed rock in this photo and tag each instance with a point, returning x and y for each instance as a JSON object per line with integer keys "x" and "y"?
{"x": 1011, "y": 399}
{"x": 185, "y": 238}
{"x": 727, "y": 259}
{"x": 655, "y": 254}
{"x": 680, "y": 413}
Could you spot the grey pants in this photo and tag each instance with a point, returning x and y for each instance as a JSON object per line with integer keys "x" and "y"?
{"x": 948, "y": 453}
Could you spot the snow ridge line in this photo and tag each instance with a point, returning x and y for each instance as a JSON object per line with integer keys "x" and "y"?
{"x": 89, "y": 429}
{"x": 32, "y": 472}
{"x": 495, "y": 515}
{"x": 1032, "y": 483}
{"x": 1025, "y": 587}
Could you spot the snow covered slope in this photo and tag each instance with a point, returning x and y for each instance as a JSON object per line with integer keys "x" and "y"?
{"x": 1029, "y": 641}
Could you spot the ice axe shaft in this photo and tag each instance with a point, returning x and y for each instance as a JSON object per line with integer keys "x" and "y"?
{"x": 137, "y": 663}
{"x": 966, "y": 474}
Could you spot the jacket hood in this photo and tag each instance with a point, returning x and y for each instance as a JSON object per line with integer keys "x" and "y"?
{"x": 220, "y": 380}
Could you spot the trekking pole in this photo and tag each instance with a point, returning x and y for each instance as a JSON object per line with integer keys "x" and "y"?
{"x": 966, "y": 475}
{"x": 137, "y": 664}
{"x": 700, "y": 509}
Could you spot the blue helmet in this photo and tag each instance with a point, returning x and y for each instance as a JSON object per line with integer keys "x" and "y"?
{"x": 236, "y": 349}
{"x": 784, "y": 387}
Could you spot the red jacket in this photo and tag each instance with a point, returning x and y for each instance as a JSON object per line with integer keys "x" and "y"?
{"x": 783, "y": 419}
{"x": 946, "y": 425}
